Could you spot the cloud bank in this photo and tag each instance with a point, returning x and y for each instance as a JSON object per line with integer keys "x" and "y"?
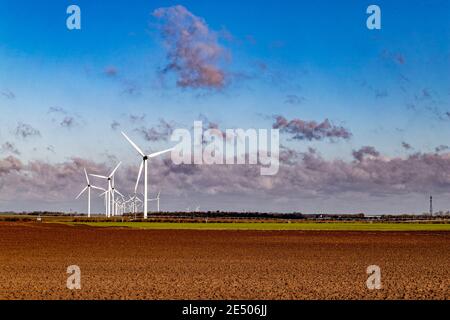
{"x": 304, "y": 174}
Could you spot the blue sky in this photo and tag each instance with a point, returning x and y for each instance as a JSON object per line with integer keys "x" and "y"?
{"x": 385, "y": 86}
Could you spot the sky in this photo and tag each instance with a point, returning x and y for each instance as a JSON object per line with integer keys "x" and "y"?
{"x": 364, "y": 115}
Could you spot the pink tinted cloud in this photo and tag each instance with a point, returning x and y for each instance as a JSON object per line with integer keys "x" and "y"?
{"x": 193, "y": 51}
{"x": 310, "y": 130}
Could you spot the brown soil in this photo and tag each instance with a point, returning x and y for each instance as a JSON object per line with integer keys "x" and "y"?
{"x": 188, "y": 264}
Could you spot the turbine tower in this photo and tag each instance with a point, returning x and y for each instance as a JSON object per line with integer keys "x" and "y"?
{"x": 431, "y": 205}
{"x": 157, "y": 199}
{"x": 144, "y": 165}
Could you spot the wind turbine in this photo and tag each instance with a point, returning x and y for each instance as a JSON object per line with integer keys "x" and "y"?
{"x": 105, "y": 193}
{"x": 88, "y": 188}
{"x": 156, "y": 199}
{"x": 135, "y": 205}
{"x": 108, "y": 194}
{"x": 144, "y": 165}
{"x": 113, "y": 193}
{"x": 119, "y": 201}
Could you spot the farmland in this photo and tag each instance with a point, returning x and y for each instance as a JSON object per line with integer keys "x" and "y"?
{"x": 150, "y": 263}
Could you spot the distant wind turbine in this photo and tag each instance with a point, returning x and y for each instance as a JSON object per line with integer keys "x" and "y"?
{"x": 109, "y": 194}
{"x": 88, "y": 188}
{"x": 157, "y": 200}
{"x": 113, "y": 192}
{"x": 105, "y": 193}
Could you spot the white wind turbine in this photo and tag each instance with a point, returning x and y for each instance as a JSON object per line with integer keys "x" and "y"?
{"x": 144, "y": 164}
{"x": 105, "y": 194}
{"x": 109, "y": 193}
{"x": 88, "y": 188}
{"x": 129, "y": 202}
{"x": 134, "y": 204}
{"x": 113, "y": 192}
{"x": 157, "y": 200}
{"x": 119, "y": 202}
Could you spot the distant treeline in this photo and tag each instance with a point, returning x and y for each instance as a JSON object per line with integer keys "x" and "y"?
{"x": 254, "y": 215}
{"x": 42, "y": 213}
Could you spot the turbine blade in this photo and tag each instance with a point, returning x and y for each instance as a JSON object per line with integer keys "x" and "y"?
{"x": 81, "y": 192}
{"x": 87, "y": 178}
{"x": 98, "y": 176}
{"x": 159, "y": 153}
{"x": 118, "y": 192}
{"x": 133, "y": 144}
{"x": 117, "y": 167}
{"x": 98, "y": 188}
{"x": 139, "y": 176}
